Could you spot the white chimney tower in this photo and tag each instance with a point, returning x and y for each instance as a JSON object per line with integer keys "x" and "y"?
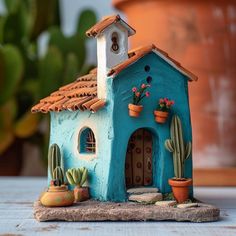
{"x": 112, "y": 47}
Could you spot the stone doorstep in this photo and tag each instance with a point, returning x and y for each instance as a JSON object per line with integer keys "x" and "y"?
{"x": 141, "y": 190}
{"x": 146, "y": 197}
{"x": 187, "y": 205}
{"x": 125, "y": 211}
{"x": 170, "y": 203}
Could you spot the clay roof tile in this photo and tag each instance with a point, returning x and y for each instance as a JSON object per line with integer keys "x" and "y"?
{"x": 72, "y": 96}
{"x": 107, "y": 21}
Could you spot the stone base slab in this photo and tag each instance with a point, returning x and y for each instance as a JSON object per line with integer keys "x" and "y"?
{"x": 127, "y": 211}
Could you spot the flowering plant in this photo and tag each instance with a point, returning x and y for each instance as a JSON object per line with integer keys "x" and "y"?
{"x": 165, "y": 104}
{"x": 139, "y": 94}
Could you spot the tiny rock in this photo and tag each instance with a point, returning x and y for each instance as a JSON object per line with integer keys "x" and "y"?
{"x": 146, "y": 197}
{"x": 165, "y": 203}
{"x": 142, "y": 190}
{"x": 187, "y": 205}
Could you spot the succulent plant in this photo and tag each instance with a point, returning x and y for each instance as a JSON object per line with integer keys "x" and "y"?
{"x": 25, "y": 75}
{"x": 77, "y": 176}
{"x": 181, "y": 151}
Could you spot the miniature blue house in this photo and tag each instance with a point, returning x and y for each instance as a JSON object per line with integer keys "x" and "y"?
{"x": 91, "y": 124}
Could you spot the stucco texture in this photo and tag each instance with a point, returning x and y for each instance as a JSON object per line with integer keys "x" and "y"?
{"x": 113, "y": 127}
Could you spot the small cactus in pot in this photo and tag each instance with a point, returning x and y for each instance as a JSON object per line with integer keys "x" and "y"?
{"x": 57, "y": 194}
{"x": 77, "y": 177}
{"x": 181, "y": 152}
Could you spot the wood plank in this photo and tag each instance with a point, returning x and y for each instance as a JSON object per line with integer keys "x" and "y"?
{"x": 137, "y": 158}
{"x": 128, "y": 166}
{"x": 147, "y": 158}
{"x": 214, "y": 177}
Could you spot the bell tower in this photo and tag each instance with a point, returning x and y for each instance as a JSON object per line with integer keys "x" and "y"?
{"x": 112, "y": 47}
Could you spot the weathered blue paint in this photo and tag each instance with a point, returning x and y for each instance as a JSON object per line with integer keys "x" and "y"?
{"x": 113, "y": 127}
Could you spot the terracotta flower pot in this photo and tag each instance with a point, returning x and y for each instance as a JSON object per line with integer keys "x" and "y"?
{"x": 57, "y": 196}
{"x": 161, "y": 116}
{"x": 135, "y": 110}
{"x": 81, "y": 194}
{"x": 180, "y": 189}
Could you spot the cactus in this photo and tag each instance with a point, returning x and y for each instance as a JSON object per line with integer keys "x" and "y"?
{"x": 54, "y": 158}
{"x": 77, "y": 176}
{"x": 181, "y": 151}
{"x": 26, "y": 75}
{"x": 58, "y": 175}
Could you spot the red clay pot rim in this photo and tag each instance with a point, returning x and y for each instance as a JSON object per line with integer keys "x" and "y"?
{"x": 180, "y": 183}
{"x": 156, "y": 112}
{"x": 61, "y": 188}
{"x": 135, "y": 107}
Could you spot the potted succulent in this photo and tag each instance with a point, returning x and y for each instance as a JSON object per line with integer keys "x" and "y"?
{"x": 181, "y": 152}
{"x": 78, "y": 177}
{"x": 57, "y": 194}
{"x": 138, "y": 94}
{"x": 162, "y": 111}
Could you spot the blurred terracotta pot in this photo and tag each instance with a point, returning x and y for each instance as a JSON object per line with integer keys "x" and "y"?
{"x": 202, "y": 36}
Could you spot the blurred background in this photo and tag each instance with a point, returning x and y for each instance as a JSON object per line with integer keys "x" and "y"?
{"x": 43, "y": 46}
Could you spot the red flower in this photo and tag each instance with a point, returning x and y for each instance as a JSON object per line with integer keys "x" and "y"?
{"x": 137, "y": 94}
{"x": 134, "y": 89}
{"x": 147, "y": 94}
{"x": 161, "y": 100}
{"x": 165, "y": 100}
{"x": 143, "y": 86}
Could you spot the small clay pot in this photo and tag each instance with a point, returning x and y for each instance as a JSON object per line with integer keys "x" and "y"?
{"x": 161, "y": 116}
{"x": 81, "y": 194}
{"x": 135, "y": 110}
{"x": 57, "y": 196}
{"x": 180, "y": 189}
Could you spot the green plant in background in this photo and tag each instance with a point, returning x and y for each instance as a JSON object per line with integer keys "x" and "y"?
{"x": 25, "y": 76}
{"x": 77, "y": 176}
{"x": 181, "y": 151}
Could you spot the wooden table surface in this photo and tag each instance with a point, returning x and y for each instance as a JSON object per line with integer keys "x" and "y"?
{"x": 16, "y": 215}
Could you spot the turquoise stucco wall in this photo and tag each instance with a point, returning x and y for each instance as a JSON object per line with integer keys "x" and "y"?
{"x": 112, "y": 127}
{"x": 166, "y": 82}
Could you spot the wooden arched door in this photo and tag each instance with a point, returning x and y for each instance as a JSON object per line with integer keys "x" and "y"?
{"x": 138, "y": 165}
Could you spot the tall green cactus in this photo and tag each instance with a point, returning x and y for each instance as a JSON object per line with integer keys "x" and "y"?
{"x": 54, "y": 159}
{"x": 181, "y": 151}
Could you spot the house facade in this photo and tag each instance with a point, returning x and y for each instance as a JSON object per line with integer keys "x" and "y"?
{"x": 91, "y": 124}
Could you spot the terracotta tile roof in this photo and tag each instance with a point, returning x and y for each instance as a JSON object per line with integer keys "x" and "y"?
{"x": 137, "y": 53}
{"x": 81, "y": 94}
{"x": 107, "y": 21}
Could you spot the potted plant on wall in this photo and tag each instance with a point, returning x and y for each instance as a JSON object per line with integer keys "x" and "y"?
{"x": 138, "y": 94}
{"x": 78, "y": 177}
{"x": 181, "y": 152}
{"x": 162, "y": 111}
{"x": 57, "y": 194}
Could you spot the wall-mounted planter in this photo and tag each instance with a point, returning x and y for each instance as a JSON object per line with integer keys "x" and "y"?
{"x": 161, "y": 116}
{"x": 81, "y": 194}
{"x": 135, "y": 110}
{"x": 57, "y": 196}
